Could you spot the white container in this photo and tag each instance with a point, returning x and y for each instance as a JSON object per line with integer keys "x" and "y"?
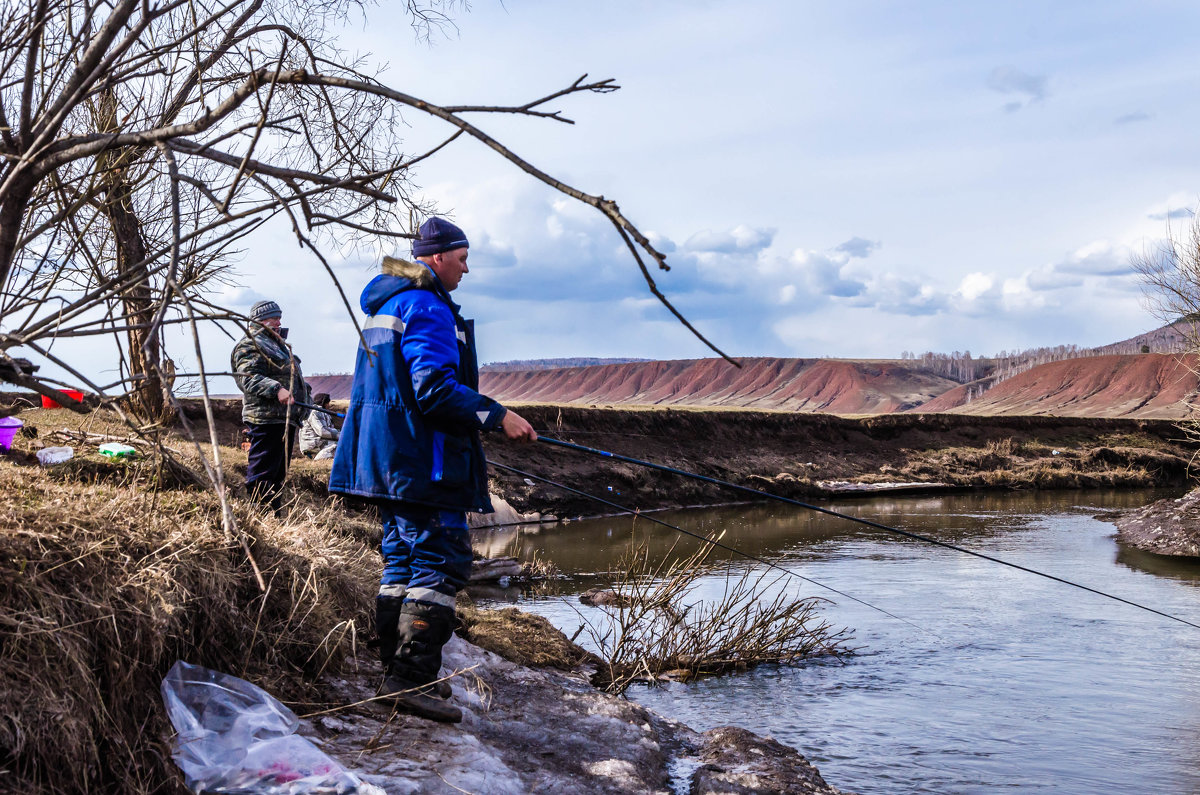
{"x": 49, "y": 456}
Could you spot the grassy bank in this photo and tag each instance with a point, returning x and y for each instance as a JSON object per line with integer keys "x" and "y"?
{"x": 105, "y": 583}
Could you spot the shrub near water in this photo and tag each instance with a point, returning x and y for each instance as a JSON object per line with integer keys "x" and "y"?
{"x": 103, "y": 587}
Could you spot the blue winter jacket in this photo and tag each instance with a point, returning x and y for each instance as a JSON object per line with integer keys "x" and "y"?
{"x": 412, "y": 429}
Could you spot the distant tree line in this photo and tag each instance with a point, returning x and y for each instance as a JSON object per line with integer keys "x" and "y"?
{"x": 988, "y": 371}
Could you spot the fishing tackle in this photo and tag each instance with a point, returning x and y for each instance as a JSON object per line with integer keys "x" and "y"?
{"x": 317, "y": 408}
{"x": 766, "y": 494}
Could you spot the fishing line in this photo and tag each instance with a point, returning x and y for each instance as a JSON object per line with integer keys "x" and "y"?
{"x": 868, "y": 522}
{"x": 705, "y": 539}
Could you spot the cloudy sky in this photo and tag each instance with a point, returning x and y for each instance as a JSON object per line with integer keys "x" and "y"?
{"x": 850, "y": 179}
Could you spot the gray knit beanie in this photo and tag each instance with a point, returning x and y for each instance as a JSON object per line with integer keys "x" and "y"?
{"x": 264, "y": 310}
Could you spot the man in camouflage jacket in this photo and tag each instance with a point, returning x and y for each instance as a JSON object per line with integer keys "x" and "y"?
{"x": 268, "y": 373}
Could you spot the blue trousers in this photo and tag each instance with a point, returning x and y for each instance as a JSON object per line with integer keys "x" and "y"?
{"x": 426, "y": 552}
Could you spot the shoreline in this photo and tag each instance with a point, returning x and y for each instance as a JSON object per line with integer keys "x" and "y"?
{"x": 542, "y": 728}
{"x": 820, "y": 456}
{"x": 190, "y": 593}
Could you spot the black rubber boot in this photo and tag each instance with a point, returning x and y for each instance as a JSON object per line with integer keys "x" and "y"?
{"x": 387, "y": 620}
{"x": 421, "y": 631}
{"x": 387, "y": 617}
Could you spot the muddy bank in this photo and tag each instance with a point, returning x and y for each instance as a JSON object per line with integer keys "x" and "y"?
{"x": 810, "y": 456}
{"x": 1166, "y": 527}
{"x": 110, "y": 574}
{"x": 546, "y": 730}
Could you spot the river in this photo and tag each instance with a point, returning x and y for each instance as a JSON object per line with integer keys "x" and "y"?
{"x": 1008, "y": 681}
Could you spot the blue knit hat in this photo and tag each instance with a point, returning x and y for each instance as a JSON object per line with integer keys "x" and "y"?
{"x": 265, "y": 310}
{"x": 438, "y": 235}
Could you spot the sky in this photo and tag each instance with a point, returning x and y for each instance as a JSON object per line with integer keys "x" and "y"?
{"x": 852, "y": 179}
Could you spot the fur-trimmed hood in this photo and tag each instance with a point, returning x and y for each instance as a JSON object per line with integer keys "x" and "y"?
{"x": 400, "y": 275}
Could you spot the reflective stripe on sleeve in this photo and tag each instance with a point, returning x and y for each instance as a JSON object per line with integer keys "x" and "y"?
{"x": 385, "y": 321}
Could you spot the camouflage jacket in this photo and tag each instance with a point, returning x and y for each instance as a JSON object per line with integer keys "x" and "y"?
{"x": 262, "y": 363}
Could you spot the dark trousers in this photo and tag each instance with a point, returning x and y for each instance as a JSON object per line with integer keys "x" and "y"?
{"x": 267, "y": 462}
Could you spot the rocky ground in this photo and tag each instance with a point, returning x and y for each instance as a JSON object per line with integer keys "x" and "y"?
{"x": 546, "y": 731}
{"x": 1166, "y": 527}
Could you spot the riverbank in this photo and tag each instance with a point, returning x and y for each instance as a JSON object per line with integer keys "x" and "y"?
{"x": 816, "y": 456}
{"x": 1168, "y": 527}
{"x": 541, "y": 729}
{"x": 113, "y": 569}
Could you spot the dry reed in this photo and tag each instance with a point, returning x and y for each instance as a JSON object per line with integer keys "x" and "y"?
{"x": 103, "y": 585}
{"x": 660, "y": 627}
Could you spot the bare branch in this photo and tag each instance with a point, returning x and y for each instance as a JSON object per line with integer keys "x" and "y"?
{"x": 599, "y": 87}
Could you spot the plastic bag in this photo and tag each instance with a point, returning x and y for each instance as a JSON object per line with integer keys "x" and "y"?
{"x": 234, "y": 737}
{"x": 49, "y": 456}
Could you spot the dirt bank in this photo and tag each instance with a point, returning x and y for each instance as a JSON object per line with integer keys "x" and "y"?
{"x": 1162, "y": 386}
{"x": 1159, "y": 386}
{"x": 1166, "y": 527}
{"x": 546, "y": 730}
{"x": 816, "y": 455}
{"x": 109, "y": 573}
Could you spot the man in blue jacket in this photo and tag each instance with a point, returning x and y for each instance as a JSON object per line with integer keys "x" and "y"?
{"x": 411, "y": 443}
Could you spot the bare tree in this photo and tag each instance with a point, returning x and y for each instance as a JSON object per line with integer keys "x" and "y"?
{"x": 141, "y": 140}
{"x": 1171, "y": 277}
{"x": 1171, "y": 281}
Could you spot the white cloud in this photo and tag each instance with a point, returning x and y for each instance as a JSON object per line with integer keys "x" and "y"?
{"x": 739, "y": 240}
{"x": 975, "y": 285}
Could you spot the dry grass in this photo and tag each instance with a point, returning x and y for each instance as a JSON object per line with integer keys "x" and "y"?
{"x": 104, "y": 584}
{"x": 1007, "y": 463}
{"x": 520, "y": 637}
{"x": 660, "y": 627}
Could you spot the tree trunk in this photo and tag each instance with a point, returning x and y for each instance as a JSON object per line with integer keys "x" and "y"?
{"x": 147, "y": 395}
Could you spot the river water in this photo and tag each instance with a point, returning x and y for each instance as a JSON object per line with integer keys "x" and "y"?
{"x": 1008, "y": 681}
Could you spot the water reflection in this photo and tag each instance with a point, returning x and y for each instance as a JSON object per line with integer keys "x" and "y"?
{"x": 594, "y": 547}
{"x": 1014, "y": 682}
{"x": 1178, "y": 568}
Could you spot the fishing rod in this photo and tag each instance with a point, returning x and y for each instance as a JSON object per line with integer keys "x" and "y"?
{"x": 317, "y": 408}
{"x": 705, "y": 539}
{"x": 766, "y": 494}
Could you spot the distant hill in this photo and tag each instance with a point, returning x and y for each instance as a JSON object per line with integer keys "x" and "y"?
{"x": 1145, "y": 386}
{"x": 1175, "y": 337}
{"x": 1114, "y": 380}
{"x": 549, "y": 364}
{"x": 337, "y": 385}
{"x": 837, "y": 386}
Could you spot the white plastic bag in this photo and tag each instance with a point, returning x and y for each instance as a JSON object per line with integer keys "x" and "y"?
{"x": 49, "y": 456}
{"x": 234, "y": 737}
